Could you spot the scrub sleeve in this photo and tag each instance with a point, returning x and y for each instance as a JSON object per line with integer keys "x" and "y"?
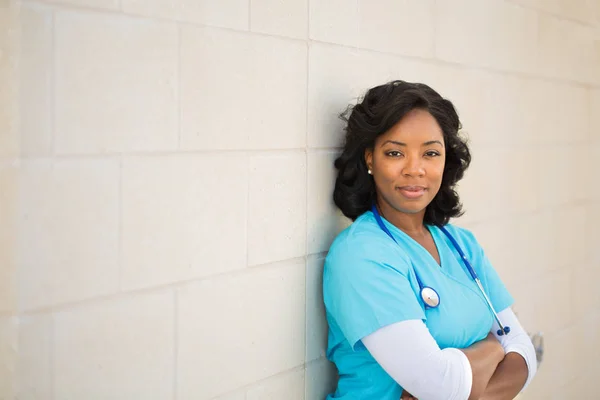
{"x": 372, "y": 288}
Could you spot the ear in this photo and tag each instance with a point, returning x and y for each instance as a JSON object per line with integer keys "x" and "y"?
{"x": 369, "y": 158}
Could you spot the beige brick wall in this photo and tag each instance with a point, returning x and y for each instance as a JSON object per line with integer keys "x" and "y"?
{"x": 166, "y": 176}
{"x": 9, "y": 192}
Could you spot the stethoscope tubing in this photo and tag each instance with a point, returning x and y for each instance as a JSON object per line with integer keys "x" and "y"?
{"x": 503, "y": 329}
{"x": 467, "y": 264}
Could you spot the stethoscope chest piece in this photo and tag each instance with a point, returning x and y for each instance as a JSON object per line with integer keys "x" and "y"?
{"x": 430, "y": 297}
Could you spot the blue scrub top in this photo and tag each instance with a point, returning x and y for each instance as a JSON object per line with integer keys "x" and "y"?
{"x": 369, "y": 282}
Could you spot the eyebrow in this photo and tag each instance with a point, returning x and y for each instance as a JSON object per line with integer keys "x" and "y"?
{"x": 429, "y": 143}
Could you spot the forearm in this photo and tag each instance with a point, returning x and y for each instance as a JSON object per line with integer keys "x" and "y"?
{"x": 508, "y": 380}
{"x": 518, "y": 367}
{"x": 484, "y": 357}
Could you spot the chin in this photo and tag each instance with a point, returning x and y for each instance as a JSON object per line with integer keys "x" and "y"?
{"x": 410, "y": 209}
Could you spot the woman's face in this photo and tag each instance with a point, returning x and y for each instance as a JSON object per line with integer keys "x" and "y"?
{"x": 407, "y": 163}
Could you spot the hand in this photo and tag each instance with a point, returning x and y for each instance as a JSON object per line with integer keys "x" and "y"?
{"x": 407, "y": 396}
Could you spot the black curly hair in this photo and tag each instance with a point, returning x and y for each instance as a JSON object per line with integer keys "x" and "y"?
{"x": 381, "y": 108}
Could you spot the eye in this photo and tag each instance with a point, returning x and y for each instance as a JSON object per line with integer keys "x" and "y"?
{"x": 393, "y": 153}
{"x": 432, "y": 153}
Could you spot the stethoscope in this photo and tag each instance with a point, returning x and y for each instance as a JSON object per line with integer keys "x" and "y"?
{"x": 429, "y": 296}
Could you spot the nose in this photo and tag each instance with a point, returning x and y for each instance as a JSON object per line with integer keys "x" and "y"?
{"x": 413, "y": 167}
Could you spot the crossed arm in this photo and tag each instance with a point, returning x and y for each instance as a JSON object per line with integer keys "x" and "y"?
{"x": 518, "y": 366}
{"x": 492, "y": 369}
{"x": 493, "y": 380}
{"x": 508, "y": 380}
{"x": 496, "y": 376}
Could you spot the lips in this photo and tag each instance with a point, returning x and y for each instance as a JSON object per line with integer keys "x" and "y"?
{"x": 412, "y": 192}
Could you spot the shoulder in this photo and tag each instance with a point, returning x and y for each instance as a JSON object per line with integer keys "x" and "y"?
{"x": 364, "y": 243}
{"x": 490, "y": 279}
{"x": 362, "y": 233}
{"x": 465, "y": 238}
{"x": 471, "y": 247}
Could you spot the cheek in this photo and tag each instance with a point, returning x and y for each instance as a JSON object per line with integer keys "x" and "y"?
{"x": 389, "y": 172}
{"x": 437, "y": 173}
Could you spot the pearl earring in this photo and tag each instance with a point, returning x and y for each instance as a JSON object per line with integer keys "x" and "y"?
{"x": 370, "y": 172}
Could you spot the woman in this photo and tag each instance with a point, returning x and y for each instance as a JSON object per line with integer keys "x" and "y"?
{"x": 406, "y": 317}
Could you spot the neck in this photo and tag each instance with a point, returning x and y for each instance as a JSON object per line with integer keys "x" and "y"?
{"x": 411, "y": 224}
